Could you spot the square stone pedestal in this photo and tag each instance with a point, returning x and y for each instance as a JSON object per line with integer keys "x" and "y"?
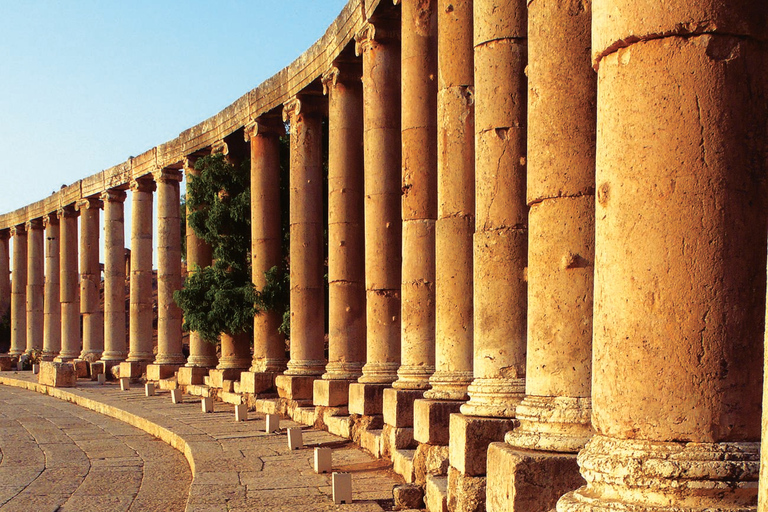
{"x": 331, "y": 393}
{"x": 81, "y": 367}
{"x": 528, "y": 480}
{"x": 97, "y": 367}
{"x": 256, "y": 382}
{"x": 6, "y": 363}
{"x": 216, "y": 376}
{"x": 191, "y": 375}
{"x": 58, "y": 375}
{"x": 398, "y": 406}
{"x": 133, "y": 369}
{"x": 156, "y": 372}
{"x": 466, "y": 493}
{"x": 431, "y": 419}
{"x": 295, "y": 387}
{"x": 470, "y": 437}
{"x": 366, "y": 399}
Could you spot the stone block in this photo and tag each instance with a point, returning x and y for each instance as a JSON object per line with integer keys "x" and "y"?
{"x": 330, "y": 393}
{"x": 206, "y": 404}
{"x": 198, "y": 390}
{"x": 176, "y": 396}
{"x": 241, "y": 412}
{"x": 230, "y": 398}
{"x": 340, "y": 426}
{"x": 436, "y": 493}
{"x": 101, "y": 378}
{"x": 398, "y": 406}
{"x": 295, "y": 438}
{"x": 402, "y": 464}
{"x": 156, "y": 372}
{"x": 134, "y": 370}
{"x": 228, "y": 386}
{"x": 366, "y": 399}
{"x": 149, "y": 389}
{"x": 396, "y": 439}
{"x": 295, "y": 387}
{"x": 465, "y": 493}
{"x": 323, "y": 460}
{"x": 255, "y": 383}
{"x": 371, "y": 440}
{"x": 272, "y": 423}
{"x": 191, "y": 375}
{"x": 528, "y": 480}
{"x": 431, "y": 420}
{"x": 167, "y": 384}
{"x": 125, "y": 383}
{"x": 81, "y": 368}
{"x": 6, "y": 363}
{"x": 470, "y": 437}
{"x": 58, "y": 375}
{"x": 408, "y": 496}
{"x": 97, "y": 368}
{"x": 342, "y": 488}
{"x": 216, "y": 377}
{"x": 430, "y": 460}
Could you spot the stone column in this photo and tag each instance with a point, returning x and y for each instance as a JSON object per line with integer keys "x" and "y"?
{"x": 169, "y": 356}
{"x": 202, "y": 354}
{"x": 306, "y": 253}
{"x": 346, "y": 239}
{"x": 35, "y": 285}
{"x": 115, "y": 347}
{"x": 69, "y": 291}
{"x": 5, "y": 271}
{"x": 19, "y": 291}
{"x": 680, "y": 255}
{"x": 140, "y": 307}
{"x": 52, "y": 305}
{"x": 379, "y": 46}
{"x": 90, "y": 280}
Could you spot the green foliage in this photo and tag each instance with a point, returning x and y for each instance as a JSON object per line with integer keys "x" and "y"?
{"x": 183, "y": 217}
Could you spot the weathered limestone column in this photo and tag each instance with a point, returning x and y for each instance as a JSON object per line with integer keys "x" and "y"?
{"x": 202, "y": 354}
{"x": 69, "y": 287}
{"x": 115, "y": 347}
{"x": 35, "y": 285}
{"x": 52, "y": 305}
{"x": 169, "y": 356}
{"x": 555, "y": 415}
{"x": 140, "y": 306}
{"x": 680, "y": 255}
{"x": 306, "y": 253}
{"x": 5, "y": 271}
{"x": 418, "y": 58}
{"x": 90, "y": 279}
{"x": 379, "y": 46}
{"x": 346, "y": 239}
{"x": 19, "y": 291}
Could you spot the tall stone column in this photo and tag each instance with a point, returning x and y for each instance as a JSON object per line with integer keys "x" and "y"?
{"x": 35, "y": 285}
{"x": 169, "y": 355}
{"x": 379, "y": 45}
{"x": 90, "y": 279}
{"x": 69, "y": 287}
{"x": 346, "y": 239}
{"x": 140, "y": 306}
{"x": 115, "y": 347}
{"x": 52, "y": 305}
{"x": 19, "y": 291}
{"x": 306, "y": 253}
{"x": 680, "y": 255}
{"x": 202, "y": 354}
{"x": 5, "y": 271}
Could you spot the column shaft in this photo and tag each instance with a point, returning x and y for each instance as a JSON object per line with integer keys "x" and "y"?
{"x": 5, "y": 272}
{"x": 35, "y": 285}
{"x": 69, "y": 285}
{"x": 90, "y": 279}
{"x": 141, "y": 314}
{"x": 456, "y": 202}
{"x": 380, "y": 48}
{"x": 115, "y": 347}
{"x": 52, "y": 306}
{"x": 419, "y": 199}
{"x": 680, "y": 255}
{"x": 19, "y": 292}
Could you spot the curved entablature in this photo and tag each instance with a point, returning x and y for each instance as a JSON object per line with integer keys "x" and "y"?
{"x": 269, "y": 95}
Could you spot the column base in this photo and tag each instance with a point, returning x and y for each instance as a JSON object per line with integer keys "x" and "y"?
{"x": 195, "y": 361}
{"x": 530, "y": 481}
{"x": 470, "y": 437}
{"x": 349, "y": 371}
{"x": 114, "y": 357}
{"x": 48, "y": 356}
{"x": 257, "y": 382}
{"x": 431, "y": 420}
{"x": 217, "y": 376}
{"x": 330, "y": 393}
{"x": 633, "y": 475}
{"x": 276, "y": 366}
{"x": 466, "y": 493}
{"x": 90, "y": 356}
{"x": 170, "y": 360}
{"x": 157, "y": 371}
{"x": 295, "y": 387}
{"x": 552, "y": 424}
{"x": 191, "y": 375}
{"x": 65, "y": 357}
{"x": 494, "y": 398}
{"x": 366, "y": 399}
{"x": 449, "y": 386}
{"x": 133, "y": 369}
{"x": 413, "y": 377}
{"x": 379, "y": 373}
{"x": 398, "y": 406}
{"x": 306, "y": 368}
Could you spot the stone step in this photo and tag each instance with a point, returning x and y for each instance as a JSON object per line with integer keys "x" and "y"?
{"x": 236, "y": 387}
{"x": 231, "y": 398}
{"x": 304, "y": 415}
{"x": 436, "y": 496}
{"x": 266, "y": 405}
{"x": 198, "y": 390}
{"x": 371, "y": 440}
{"x": 206, "y": 381}
{"x": 402, "y": 462}
{"x": 167, "y": 384}
{"x": 339, "y": 425}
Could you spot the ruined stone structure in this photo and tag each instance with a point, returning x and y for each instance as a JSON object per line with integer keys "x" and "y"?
{"x": 547, "y": 233}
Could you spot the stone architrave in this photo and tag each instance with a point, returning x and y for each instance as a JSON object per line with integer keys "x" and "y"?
{"x": 115, "y": 346}
{"x": 455, "y": 202}
{"x": 346, "y": 238}
{"x": 19, "y": 292}
{"x": 90, "y": 279}
{"x": 52, "y": 289}
{"x": 35, "y": 285}
{"x": 69, "y": 287}
{"x": 680, "y": 257}
{"x": 140, "y": 305}
{"x": 5, "y": 271}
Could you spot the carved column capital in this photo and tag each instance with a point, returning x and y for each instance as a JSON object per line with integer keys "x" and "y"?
{"x": 264, "y": 126}
{"x": 376, "y": 31}
{"x": 66, "y": 212}
{"x": 341, "y": 72}
{"x": 19, "y": 229}
{"x": 88, "y": 203}
{"x": 167, "y": 175}
{"x": 113, "y": 195}
{"x": 50, "y": 219}
{"x": 144, "y": 184}
{"x": 34, "y": 224}
{"x": 301, "y": 104}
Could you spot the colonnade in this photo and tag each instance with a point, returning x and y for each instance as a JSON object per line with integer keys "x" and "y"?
{"x": 547, "y": 235}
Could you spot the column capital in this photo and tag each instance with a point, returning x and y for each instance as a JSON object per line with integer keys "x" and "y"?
{"x": 5, "y": 234}
{"x": 143, "y": 184}
{"x": 167, "y": 175}
{"x": 19, "y": 229}
{"x": 88, "y": 203}
{"x": 379, "y": 31}
{"x": 344, "y": 72}
{"x": 264, "y": 126}
{"x": 34, "y": 224}
{"x": 50, "y": 219}
{"x": 67, "y": 211}
{"x": 300, "y": 104}
{"x": 113, "y": 195}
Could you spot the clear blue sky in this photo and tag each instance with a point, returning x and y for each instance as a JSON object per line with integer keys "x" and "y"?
{"x": 84, "y": 84}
